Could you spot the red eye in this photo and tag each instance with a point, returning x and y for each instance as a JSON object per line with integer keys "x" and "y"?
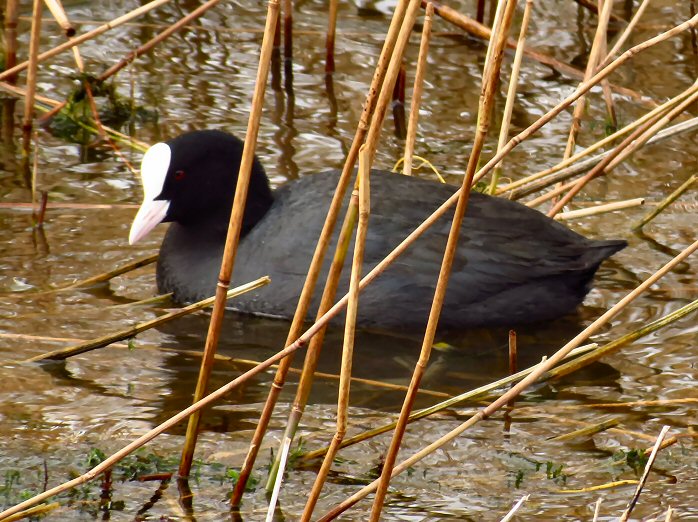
{"x": 179, "y": 175}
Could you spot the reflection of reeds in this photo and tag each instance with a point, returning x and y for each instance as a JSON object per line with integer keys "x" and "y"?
{"x": 368, "y": 131}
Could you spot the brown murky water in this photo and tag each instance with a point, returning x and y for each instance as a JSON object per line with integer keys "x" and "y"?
{"x": 54, "y": 415}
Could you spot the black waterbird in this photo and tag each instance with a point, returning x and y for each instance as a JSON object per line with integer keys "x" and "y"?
{"x": 513, "y": 265}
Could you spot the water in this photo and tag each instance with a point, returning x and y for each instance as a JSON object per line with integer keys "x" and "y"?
{"x": 54, "y": 415}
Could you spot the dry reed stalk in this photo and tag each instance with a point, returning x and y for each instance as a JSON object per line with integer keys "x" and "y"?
{"x": 234, "y": 361}
{"x": 629, "y": 28}
{"x": 605, "y": 85}
{"x": 630, "y": 144}
{"x": 510, "y": 515}
{"x": 608, "y": 98}
{"x": 283, "y": 457}
{"x": 559, "y": 189}
{"x": 565, "y": 420}
{"x": 650, "y": 461}
{"x": 417, "y": 89}
{"x": 19, "y": 92}
{"x": 172, "y": 421}
{"x": 616, "y": 344}
{"x": 232, "y": 237}
{"x": 349, "y": 330}
{"x": 511, "y": 92}
{"x": 592, "y": 61}
{"x": 331, "y": 36}
{"x": 132, "y": 331}
{"x": 478, "y": 30}
{"x": 398, "y": 250}
{"x": 496, "y": 26}
{"x": 61, "y": 19}
{"x": 146, "y": 47}
{"x": 567, "y": 164}
{"x": 36, "y": 511}
{"x": 31, "y": 74}
{"x": 470, "y": 395}
{"x": 381, "y": 108}
{"x": 600, "y": 209}
{"x": 490, "y": 78}
{"x": 624, "y": 405}
{"x": 298, "y": 321}
{"x": 84, "y": 37}
{"x": 521, "y": 386}
{"x": 587, "y": 431}
{"x": 59, "y": 15}
{"x": 668, "y": 201}
{"x": 599, "y": 487}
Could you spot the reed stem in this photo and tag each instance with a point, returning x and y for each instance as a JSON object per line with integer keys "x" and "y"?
{"x": 233, "y": 234}
{"x": 668, "y": 201}
{"x": 84, "y": 37}
{"x": 349, "y": 330}
{"x": 127, "y": 333}
{"x": 417, "y": 89}
{"x": 31, "y": 75}
{"x": 318, "y": 255}
{"x": 490, "y": 79}
{"x": 520, "y": 387}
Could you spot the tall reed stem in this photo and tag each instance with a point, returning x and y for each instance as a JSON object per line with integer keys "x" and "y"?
{"x": 349, "y": 332}
{"x": 417, "y": 89}
{"x": 31, "y": 75}
{"x": 516, "y": 390}
{"x": 233, "y": 235}
{"x": 319, "y": 254}
{"x": 490, "y": 79}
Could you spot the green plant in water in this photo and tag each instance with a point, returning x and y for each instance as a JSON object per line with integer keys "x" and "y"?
{"x": 233, "y": 476}
{"x": 95, "y": 457}
{"x": 296, "y": 452}
{"x": 528, "y": 466}
{"x": 71, "y": 122}
{"x": 554, "y": 472}
{"x": 634, "y": 459}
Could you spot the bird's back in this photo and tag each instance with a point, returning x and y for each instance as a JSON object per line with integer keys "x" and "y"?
{"x": 513, "y": 265}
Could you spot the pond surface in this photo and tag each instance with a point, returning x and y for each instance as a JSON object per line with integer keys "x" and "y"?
{"x": 55, "y": 416}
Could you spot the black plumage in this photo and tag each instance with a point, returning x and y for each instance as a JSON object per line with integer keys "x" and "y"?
{"x": 513, "y": 266}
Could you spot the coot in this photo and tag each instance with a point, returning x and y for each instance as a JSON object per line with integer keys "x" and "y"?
{"x": 514, "y": 265}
